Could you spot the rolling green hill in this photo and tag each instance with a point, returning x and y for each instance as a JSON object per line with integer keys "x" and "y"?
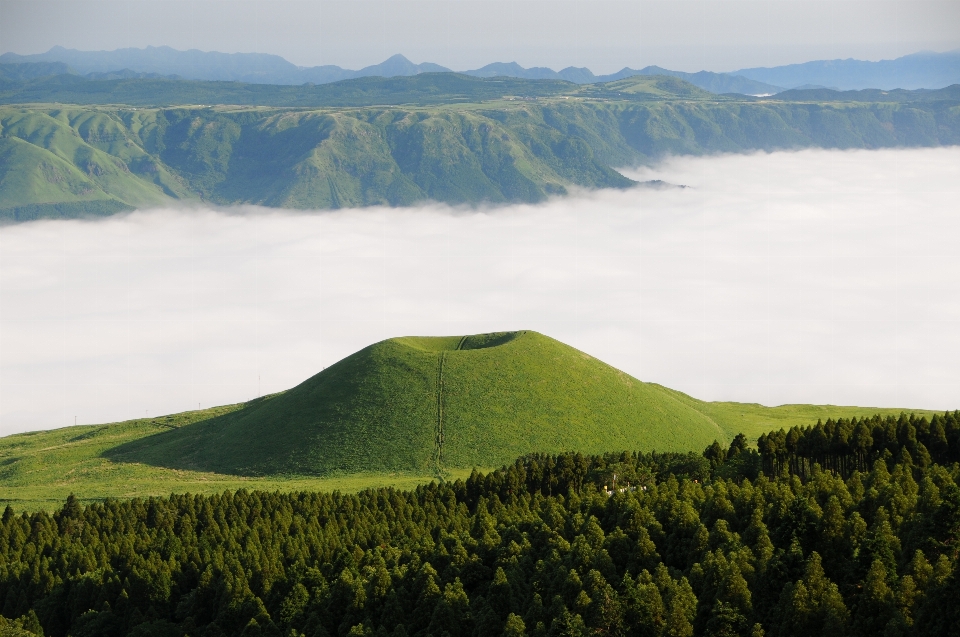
{"x": 418, "y": 405}
{"x": 69, "y": 161}
{"x": 389, "y": 415}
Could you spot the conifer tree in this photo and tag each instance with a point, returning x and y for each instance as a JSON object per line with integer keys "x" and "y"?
{"x": 813, "y": 605}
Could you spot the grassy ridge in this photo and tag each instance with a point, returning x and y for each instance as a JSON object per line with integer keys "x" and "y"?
{"x": 538, "y": 394}
{"x": 373, "y": 420}
{"x": 57, "y": 160}
{"x": 422, "y": 89}
{"x": 72, "y": 156}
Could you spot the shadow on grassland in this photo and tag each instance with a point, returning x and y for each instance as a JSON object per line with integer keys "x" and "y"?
{"x": 358, "y": 415}
{"x": 188, "y": 447}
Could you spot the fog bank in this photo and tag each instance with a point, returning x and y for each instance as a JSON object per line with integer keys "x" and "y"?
{"x": 816, "y": 276}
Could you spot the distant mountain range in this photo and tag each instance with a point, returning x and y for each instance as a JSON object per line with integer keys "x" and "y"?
{"x": 919, "y": 70}
{"x": 262, "y": 68}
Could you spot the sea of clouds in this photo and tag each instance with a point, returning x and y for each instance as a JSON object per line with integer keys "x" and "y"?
{"x": 804, "y": 277}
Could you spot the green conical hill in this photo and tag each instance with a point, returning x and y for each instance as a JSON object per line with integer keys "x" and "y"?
{"x": 419, "y": 404}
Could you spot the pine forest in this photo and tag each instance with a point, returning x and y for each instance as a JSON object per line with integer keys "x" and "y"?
{"x": 849, "y": 527}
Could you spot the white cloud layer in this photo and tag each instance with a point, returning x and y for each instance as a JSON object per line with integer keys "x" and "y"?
{"x": 815, "y": 276}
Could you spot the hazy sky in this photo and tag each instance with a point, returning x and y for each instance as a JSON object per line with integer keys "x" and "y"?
{"x": 808, "y": 277}
{"x": 688, "y": 35}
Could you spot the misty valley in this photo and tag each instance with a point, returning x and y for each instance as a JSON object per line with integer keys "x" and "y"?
{"x": 305, "y": 351}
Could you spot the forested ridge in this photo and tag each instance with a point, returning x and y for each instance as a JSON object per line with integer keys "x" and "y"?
{"x": 853, "y": 444}
{"x": 807, "y": 535}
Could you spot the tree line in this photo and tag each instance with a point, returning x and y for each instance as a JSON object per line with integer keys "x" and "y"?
{"x": 728, "y": 542}
{"x": 848, "y": 445}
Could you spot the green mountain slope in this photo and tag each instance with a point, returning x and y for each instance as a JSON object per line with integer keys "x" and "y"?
{"x": 68, "y": 162}
{"x": 376, "y": 418}
{"x": 73, "y": 160}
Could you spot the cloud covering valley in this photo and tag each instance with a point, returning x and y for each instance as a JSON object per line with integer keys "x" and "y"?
{"x": 815, "y": 276}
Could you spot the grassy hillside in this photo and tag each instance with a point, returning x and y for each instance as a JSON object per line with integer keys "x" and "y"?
{"x": 68, "y": 161}
{"x": 418, "y": 405}
{"x": 304, "y": 159}
{"x": 388, "y": 415}
{"x": 39, "y": 470}
{"x": 650, "y": 88}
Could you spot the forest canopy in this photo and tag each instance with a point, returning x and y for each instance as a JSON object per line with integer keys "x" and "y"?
{"x": 849, "y": 527}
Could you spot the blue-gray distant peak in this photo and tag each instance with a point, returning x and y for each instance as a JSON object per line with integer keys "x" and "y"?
{"x": 919, "y": 70}
{"x": 512, "y": 69}
{"x": 398, "y": 65}
{"x": 163, "y": 60}
{"x": 22, "y": 71}
{"x": 579, "y": 75}
{"x": 714, "y": 82}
